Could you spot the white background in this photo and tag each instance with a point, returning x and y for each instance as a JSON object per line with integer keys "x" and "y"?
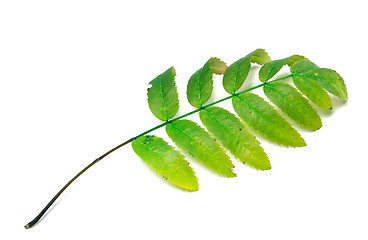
{"x": 74, "y": 76}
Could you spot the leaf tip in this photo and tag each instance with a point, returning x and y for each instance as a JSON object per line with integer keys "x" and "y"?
{"x": 172, "y": 70}
{"x": 260, "y": 56}
{"x": 217, "y": 66}
{"x": 294, "y": 59}
{"x": 268, "y": 167}
{"x": 194, "y": 187}
{"x": 263, "y": 165}
{"x": 301, "y": 144}
{"x": 231, "y": 174}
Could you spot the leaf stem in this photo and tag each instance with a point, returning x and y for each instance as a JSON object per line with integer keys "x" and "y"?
{"x": 39, "y": 216}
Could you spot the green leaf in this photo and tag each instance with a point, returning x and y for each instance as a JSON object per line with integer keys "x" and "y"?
{"x": 162, "y": 95}
{"x": 217, "y": 66}
{"x": 259, "y": 56}
{"x": 303, "y": 66}
{"x": 234, "y": 135}
{"x": 237, "y": 72}
{"x": 166, "y": 161}
{"x": 200, "y": 84}
{"x": 266, "y": 120}
{"x": 291, "y": 102}
{"x": 269, "y": 69}
{"x": 294, "y": 59}
{"x": 199, "y": 144}
{"x": 313, "y": 91}
{"x": 329, "y": 80}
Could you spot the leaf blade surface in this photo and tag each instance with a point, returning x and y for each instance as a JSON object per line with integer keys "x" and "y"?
{"x": 313, "y": 91}
{"x": 200, "y": 84}
{"x": 329, "y": 80}
{"x": 163, "y": 99}
{"x": 310, "y": 88}
{"x": 237, "y": 72}
{"x": 234, "y": 135}
{"x": 201, "y": 145}
{"x": 262, "y": 117}
{"x": 269, "y": 69}
{"x": 303, "y": 66}
{"x": 291, "y": 102}
{"x": 166, "y": 161}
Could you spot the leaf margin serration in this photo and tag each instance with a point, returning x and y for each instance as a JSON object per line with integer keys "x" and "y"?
{"x": 162, "y": 96}
{"x": 239, "y": 140}
{"x": 236, "y": 74}
{"x": 293, "y": 104}
{"x": 198, "y": 143}
{"x": 248, "y": 103}
{"x": 200, "y": 84}
{"x": 156, "y": 146}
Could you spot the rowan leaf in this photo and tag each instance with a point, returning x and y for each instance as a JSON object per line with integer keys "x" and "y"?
{"x": 217, "y": 66}
{"x": 234, "y": 135}
{"x": 313, "y": 91}
{"x": 291, "y": 102}
{"x": 163, "y": 97}
{"x": 200, "y": 84}
{"x": 237, "y": 72}
{"x": 166, "y": 161}
{"x": 329, "y": 80}
{"x": 269, "y": 69}
{"x": 302, "y": 66}
{"x": 294, "y": 59}
{"x": 310, "y": 88}
{"x": 201, "y": 145}
{"x": 265, "y": 119}
{"x": 259, "y": 56}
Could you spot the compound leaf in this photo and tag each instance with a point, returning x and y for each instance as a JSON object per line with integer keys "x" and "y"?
{"x": 291, "y": 102}
{"x": 269, "y": 69}
{"x": 266, "y": 120}
{"x": 234, "y": 135}
{"x": 166, "y": 161}
{"x": 237, "y": 72}
{"x": 200, "y": 84}
{"x": 163, "y": 97}
{"x": 201, "y": 145}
